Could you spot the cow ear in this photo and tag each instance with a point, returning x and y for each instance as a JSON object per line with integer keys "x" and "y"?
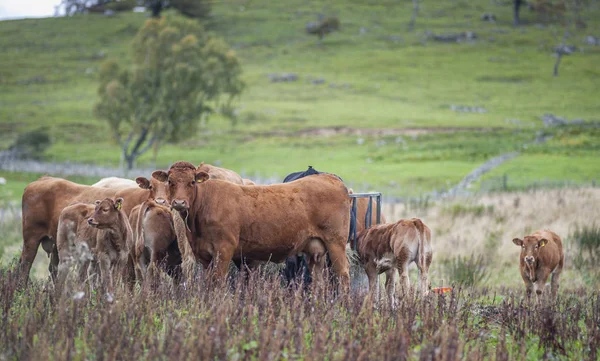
{"x": 97, "y": 202}
{"x": 518, "y": 241}
{"x": 143, "y": 182}
{"x": 542, "y": 242}
{"x": 160, "y": 175}
{"x": 118, "y": 203}
{"x": 201, "y": 177}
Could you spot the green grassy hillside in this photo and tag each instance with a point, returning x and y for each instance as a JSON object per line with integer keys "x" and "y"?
{"x": 376, "y": 74}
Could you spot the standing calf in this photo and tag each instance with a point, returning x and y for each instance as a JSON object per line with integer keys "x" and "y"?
{"x": 541, "y": 254}
{"x": 105, "y": 228}
{"x": 387, "y": 247}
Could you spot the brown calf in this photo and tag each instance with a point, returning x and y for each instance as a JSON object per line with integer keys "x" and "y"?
{"x": 267, "y": 223}
{"x": 541, "y": 254}
{"x": 105, "y": 228}
{"x": 387, "y": 247}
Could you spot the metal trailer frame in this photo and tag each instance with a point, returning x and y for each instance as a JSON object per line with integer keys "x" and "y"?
{"x": 368, "y": 216}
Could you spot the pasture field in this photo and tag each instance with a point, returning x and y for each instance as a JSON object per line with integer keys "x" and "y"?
{"x": 485, "y": 318}
{"x": 394, "y": 111}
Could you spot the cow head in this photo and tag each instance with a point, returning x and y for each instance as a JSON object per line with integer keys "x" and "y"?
{"x": 106, "y": 213}
{"x": 181, "y": 181}
{"x": 530, "y": 248}
{"x": 159, "y": 191}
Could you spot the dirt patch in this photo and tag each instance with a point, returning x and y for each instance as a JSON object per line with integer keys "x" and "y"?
{"x": 379, "y": 132}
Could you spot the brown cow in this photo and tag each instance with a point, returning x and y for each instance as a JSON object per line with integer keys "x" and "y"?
{"x": 221, "y": 173}
{"x": 44, "y": 199}
{"x": 155, "y": 235}
{"x": 260, "y": 222}
{"x": 105, "y": 228}
{"x": 541, "y": 254}
{"x": 387, "y": 247}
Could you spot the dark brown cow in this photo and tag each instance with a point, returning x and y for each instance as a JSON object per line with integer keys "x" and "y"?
{"x": 541, "y": 254}
{"x": 387, "y": 247}
{"x": 44, "y": 199}
{"x": 221, "y": 173}
{"x": 105, "y": 228}
{"x": 260, "y": 222}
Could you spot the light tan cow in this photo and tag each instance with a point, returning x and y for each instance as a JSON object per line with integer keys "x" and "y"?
{"x": 115, "y": 182}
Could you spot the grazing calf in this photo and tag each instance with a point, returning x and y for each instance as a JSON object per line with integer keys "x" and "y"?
{"x": 106, "y": 230}
{"x": 387, "y": 247}
{"x": 541, "y": 254}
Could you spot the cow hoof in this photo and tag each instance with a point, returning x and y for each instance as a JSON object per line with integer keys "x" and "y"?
{"x": 109, "y": 297}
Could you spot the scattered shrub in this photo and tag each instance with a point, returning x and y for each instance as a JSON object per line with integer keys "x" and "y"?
{"x": 587, "y": 239}
{"x": 466, "y": 271}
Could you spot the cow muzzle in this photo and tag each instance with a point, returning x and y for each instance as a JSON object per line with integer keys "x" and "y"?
{"x": 180, "y": 205}
{"x": 92, "y": 223}
{"x": 529, "y": 259}
{"x": 160, "y": 201}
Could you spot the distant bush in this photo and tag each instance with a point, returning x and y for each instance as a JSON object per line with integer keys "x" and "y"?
{"x": 466, "y": 271}
{"x": 587, "y": 239}
{"x": 32, "y": 144}
{"x": 324, "y": 27}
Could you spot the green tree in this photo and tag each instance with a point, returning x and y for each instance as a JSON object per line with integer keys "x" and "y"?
{"x": 179, "y": 73}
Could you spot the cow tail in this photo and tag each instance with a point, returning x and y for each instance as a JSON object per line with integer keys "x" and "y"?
{"x": 421, "y": 242}
{"x": 139, "y": 243}
{"x": 180, "y": 227}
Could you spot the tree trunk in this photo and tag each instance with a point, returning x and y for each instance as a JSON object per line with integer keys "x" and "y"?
{"x": 156, "y": 7}
{"x": 558, "y": 56}
{"x": 413, "y": 18}
{"x": 517, "y": 4}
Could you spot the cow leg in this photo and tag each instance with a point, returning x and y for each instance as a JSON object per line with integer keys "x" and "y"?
{"x": 341, "y": 266}
{"x": 53, "y": 266}
{"x": 221, "y": 261}
{"x": 423, "y": 274}
{"x": 390, "y": 287}
{"x": 131, "y": 273}
{"x": 32, "y": 237}
{"x": 371, "y": 270}
{"x": 404, "y": 281}
{"x": 542, "y": 278}
{"x": 556, "y": 277}
{"x": 106, "y": 276}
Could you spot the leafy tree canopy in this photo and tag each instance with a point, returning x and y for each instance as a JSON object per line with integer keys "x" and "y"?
{"x": 178, "y": 74}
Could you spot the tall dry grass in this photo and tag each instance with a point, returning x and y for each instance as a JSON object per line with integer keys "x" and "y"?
{"x": 257, "y": 318}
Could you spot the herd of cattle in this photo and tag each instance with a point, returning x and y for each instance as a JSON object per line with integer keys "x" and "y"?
{"x": 212, "y": 216}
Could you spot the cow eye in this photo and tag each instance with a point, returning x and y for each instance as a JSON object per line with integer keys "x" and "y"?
{"x": 193, "y": 182}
